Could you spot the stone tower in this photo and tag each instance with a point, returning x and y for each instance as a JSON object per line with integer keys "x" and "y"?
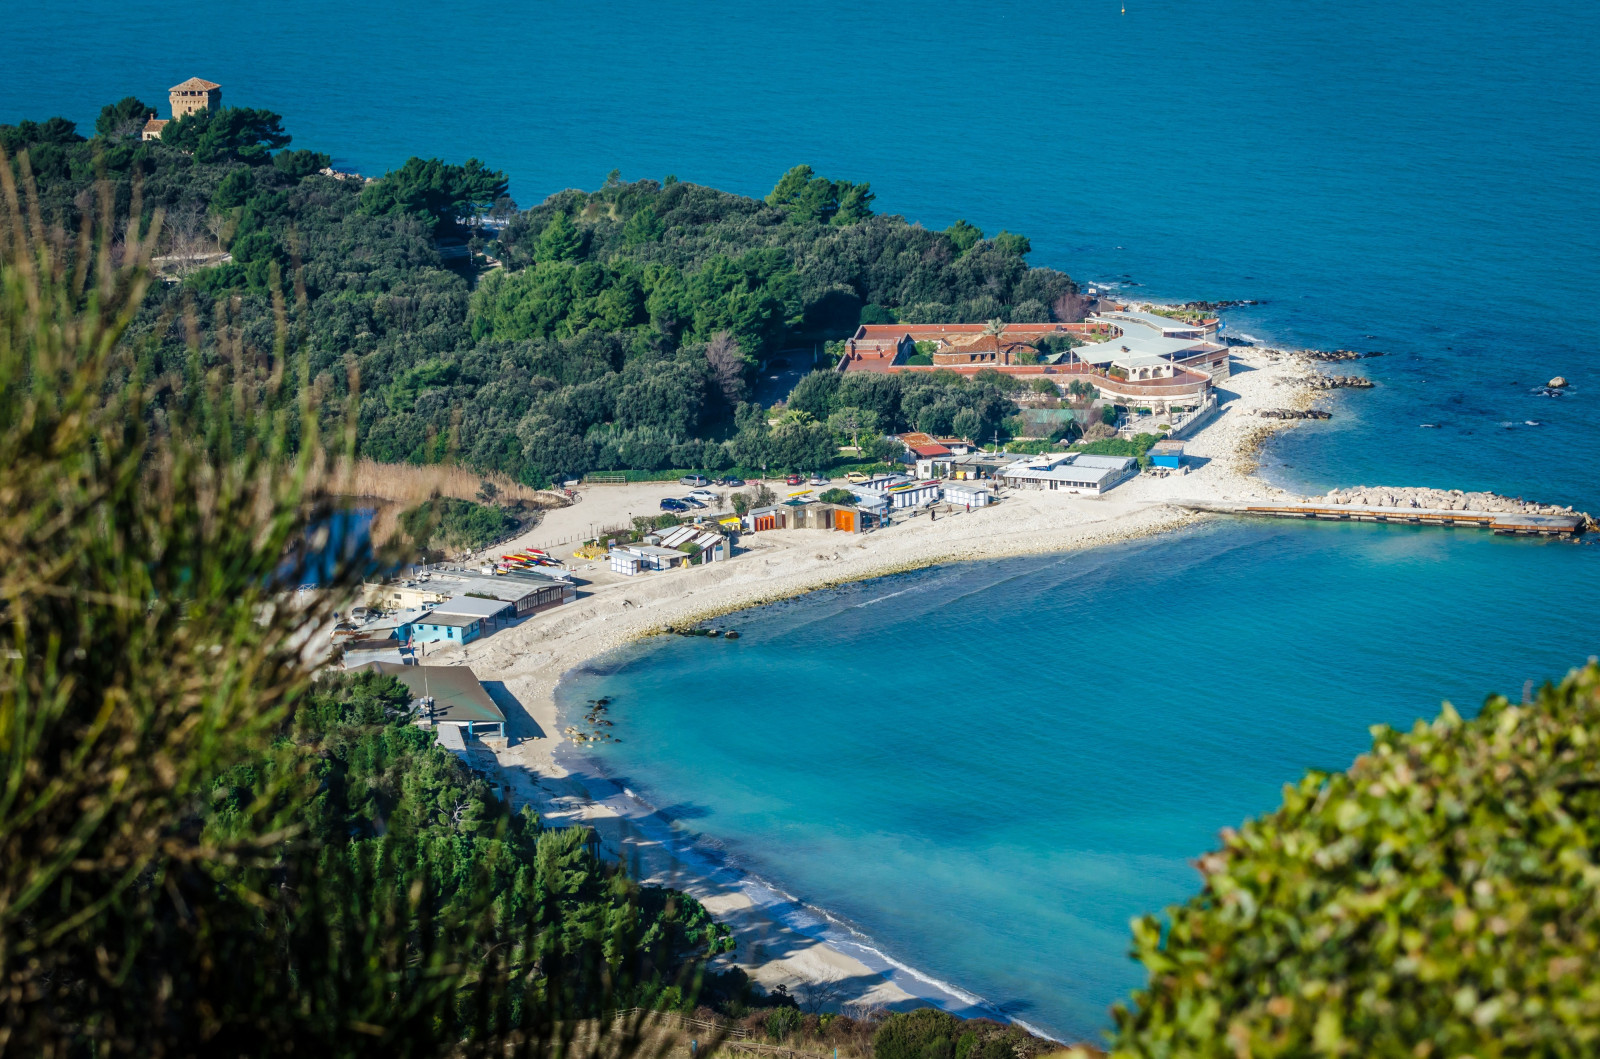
{"x": 194, "y": 95}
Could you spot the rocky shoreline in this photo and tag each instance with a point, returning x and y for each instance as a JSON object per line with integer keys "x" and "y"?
{"x": 1339, "y": 382}
{"x": 1293, "y": 413}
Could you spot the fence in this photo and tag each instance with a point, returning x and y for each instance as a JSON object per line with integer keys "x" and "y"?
{"x": 1183, "y": 424}
{"x": 605, "y": 479}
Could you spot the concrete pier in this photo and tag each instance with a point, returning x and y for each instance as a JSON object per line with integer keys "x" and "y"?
{"x": 1502, "y": 522}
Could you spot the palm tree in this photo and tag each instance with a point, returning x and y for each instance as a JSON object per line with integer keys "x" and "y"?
{"x": 997, "y": 328}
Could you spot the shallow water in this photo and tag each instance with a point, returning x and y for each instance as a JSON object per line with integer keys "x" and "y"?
{"x": 993, "y": 770}
{"x": 989, "y": 768}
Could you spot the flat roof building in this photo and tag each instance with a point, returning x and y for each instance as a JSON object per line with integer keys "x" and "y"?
{"x": 448, "y": 696}
{"x": 1091, "y": 475}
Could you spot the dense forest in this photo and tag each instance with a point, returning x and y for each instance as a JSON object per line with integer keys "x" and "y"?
{"x": 606, "y": 330}
{"x": 359, "y": 780}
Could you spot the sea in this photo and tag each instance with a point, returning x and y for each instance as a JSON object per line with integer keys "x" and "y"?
{"x": 984, "y": 771}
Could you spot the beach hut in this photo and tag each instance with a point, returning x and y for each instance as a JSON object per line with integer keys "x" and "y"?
{"x": 1167, "y": 453}
{"x": 967, "y": 494}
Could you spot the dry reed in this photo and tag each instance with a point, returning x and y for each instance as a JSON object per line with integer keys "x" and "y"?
{"x": 409, "y": 484}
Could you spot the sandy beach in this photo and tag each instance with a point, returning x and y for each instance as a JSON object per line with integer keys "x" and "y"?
{"x": 779, "y": 942}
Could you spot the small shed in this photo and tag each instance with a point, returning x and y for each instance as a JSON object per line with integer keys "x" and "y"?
{"x": 967, "y": 494}
{"x": 625, "y": 562}
{"x": 913, "y": 494}
{"x": 1167, "y": 453}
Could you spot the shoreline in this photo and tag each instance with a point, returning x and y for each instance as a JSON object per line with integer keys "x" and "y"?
{"x": 704, "y": 857}
{"x": 781, "y": 941}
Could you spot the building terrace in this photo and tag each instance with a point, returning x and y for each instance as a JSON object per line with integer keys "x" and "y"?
{"x": 1142, "y": 363}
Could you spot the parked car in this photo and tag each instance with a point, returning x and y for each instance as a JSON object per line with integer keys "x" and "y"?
{"x": 794, "y": 479}
{"x": 856, "y": 478}
{"x": 817, "y": 479}
{"x": 732, "y": 482}
{"x": 694, "y": 479}
{"x": 705, "y": 496}
{"x": 690, "y": 501}
{"x": 673, "y": 504}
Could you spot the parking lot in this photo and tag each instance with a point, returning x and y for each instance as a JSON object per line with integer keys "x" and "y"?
{"x": 602, "y": 507}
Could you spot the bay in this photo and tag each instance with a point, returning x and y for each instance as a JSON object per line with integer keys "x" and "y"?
{"x": 1001, "y": 764}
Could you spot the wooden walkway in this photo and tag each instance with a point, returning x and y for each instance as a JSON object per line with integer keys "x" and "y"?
{"x": 1503, "y": 522}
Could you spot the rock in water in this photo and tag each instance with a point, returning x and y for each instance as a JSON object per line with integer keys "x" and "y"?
{"x": 1557, "y": 383}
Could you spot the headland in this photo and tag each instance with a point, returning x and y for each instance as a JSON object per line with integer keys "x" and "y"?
{"x": 780, "y": 942}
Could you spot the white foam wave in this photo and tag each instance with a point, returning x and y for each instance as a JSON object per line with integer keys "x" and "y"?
{"x": 709, "y": 859}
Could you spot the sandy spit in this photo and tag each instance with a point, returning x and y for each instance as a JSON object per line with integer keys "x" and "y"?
{"x": 780, "y": 942}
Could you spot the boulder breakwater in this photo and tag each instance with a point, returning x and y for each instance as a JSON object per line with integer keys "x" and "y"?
{"x": 1443, "y": 500}
{"x": 1412, "y": 506}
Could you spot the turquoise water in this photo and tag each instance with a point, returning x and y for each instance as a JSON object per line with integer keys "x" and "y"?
{"x": 989, "y": 768}
{"x": 1417, "y": 178}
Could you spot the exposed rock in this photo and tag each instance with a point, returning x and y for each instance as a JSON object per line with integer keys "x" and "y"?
{"x": 1293, "y": 413}
{"x": 1442, "y": 500}
{"x": 1340, "y": 354}
{"x": 1338, "y": 382}
{"x": 1557, "y": 383}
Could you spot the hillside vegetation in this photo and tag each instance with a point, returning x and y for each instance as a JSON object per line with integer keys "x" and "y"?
{"x": 622, "y": 332}
{"x": 1441, "y": 898}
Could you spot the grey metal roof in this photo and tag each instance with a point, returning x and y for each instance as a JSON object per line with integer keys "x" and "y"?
{"x": 1128, "y": 345}
{"x": 472, "y": 606}
{"x": 1115, "y": 463}
{"x": 1069, "y": 473}
{"x": 457, "y": 694}
{"x": 451, "y": 621}
{"x": 1152, "y": 320}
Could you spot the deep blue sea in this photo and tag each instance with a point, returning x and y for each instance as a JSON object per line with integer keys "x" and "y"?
{"x": 989, "y": 772}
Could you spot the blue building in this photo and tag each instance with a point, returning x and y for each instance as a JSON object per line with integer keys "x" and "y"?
{"x": 452, "y": 628}
{"x": 1167, "y": 454}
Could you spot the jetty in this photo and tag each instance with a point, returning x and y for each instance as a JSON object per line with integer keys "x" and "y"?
{"x": 1509, "y": 523}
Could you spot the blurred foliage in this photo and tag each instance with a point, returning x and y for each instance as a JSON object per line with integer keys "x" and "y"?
{"x": 447, "y": 523}
{"x": 1441, "y": 898}
{"x": 200, "y": 854}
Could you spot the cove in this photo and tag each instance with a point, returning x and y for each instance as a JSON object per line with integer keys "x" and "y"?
{"x": 989, "y": 768}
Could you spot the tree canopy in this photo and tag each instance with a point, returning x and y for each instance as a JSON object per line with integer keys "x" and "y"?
{"x": 125, "y": 118}
{"x": 1438, "y": 899}
{"x": 229, "y": 134}
{"x": 811, "y": 198}
{"x": 623, "y": 331}
{"x": 434, "y": 191}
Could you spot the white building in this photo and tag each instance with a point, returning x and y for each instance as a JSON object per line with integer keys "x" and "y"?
{"x": 967, "y": 494}
{"x": 712, "y": 547}
{"x": 633, "y": 559}
{"x": 913, "y": 494}
{"x": 1091, "y": 475}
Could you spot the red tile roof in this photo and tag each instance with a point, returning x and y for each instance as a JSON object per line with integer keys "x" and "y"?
{"x": 930, "y": 450}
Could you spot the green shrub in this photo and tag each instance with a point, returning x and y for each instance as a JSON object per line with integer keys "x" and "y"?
{"x": 1118, "y": 446}
{"x": 837, "y": 496}
{"x": 1441, "y": 898}
{"x": 916, "y": 1034}
{"x": 781, "y": 1022}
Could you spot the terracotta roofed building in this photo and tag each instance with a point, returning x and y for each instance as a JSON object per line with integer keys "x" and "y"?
{"x": 194, "y": 95}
